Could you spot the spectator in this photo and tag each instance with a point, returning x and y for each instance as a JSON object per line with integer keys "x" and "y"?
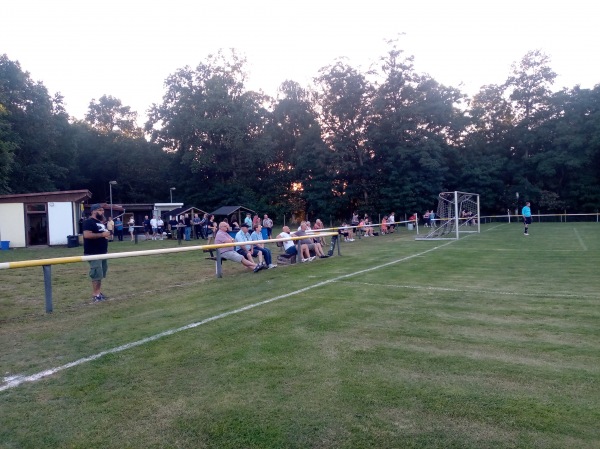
{"x": 197, "y": 226}
{"x": 289, "y": 246}
{"x": 228, "y": 252}
{"x": 119, "y": 229}
{"x": 95, "y": 242}
{"x": 391, "y": 222}
{"x": 248, "y": 220}
{"x": 347, "y": 232}
{"x": 426, "y": 218}
{"x": 268, "y": 225}
{"x": 110, "y": 227}
{"x": 432, "y": 218}
{"x": 173, "y": 226}
{"x": 243, "y": 236}
{"x": 210, "y": 231}
{"x": 307, "y": 244}
{"x": 131, "y": 224}
{"x": 154, "y": 227}
{"x": 259, "y": 248}
{"x": 255, "y": 220}
{"x": 367, "y": 227}
{"x": 147, "y": 227}
{"x": 180, "y": 227}
{"x": 317, "y": 227}
{"x": 383, "y": 227}
{"x": 160, "y": 226}
{"x": 187, "y": 221}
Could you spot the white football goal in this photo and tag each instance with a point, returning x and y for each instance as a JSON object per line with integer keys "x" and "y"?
{"x": 457, "y": 213}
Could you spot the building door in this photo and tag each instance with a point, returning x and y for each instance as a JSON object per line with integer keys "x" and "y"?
{"x": 37, "y": 224}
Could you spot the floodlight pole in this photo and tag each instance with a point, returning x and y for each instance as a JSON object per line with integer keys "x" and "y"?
{"x": 110, "y": 184}
{"x": 171, "y": 192}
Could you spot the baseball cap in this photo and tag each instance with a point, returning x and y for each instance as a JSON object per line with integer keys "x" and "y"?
{"x": 95, "y": 206}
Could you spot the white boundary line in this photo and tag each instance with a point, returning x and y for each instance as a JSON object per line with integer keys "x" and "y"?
{"x": 14, "y": 381}
{"x": 580, "y": 239}
{"x": 491, "y": 292}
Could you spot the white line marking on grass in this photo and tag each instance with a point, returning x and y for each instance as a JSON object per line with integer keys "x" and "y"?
{"x": 580, "y": 239}
{"x": 16, "y": 380}
{"x": 492, "y": 292}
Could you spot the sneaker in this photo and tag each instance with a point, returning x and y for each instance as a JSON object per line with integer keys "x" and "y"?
{"x": 304, "y": 260}
{"x": 102, "y": 296}
{"x": 324, "y": 256}
{"x": 271, "y": 266}
{"x": 257, "y": 268}
{"x": 310, "y": 259}
{"x": 97, "y": 298}
{"x": 351, "y": 240}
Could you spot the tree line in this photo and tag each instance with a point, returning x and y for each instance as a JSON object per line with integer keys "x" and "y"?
{"x": 379, "y": 140}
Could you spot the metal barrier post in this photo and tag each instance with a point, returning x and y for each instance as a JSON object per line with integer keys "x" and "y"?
{"x": 219, "y": 264}
{"x": 47, "y": 269}
{"x": 298, "y": 251}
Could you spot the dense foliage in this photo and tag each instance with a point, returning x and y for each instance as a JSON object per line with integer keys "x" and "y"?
{"x": 388, "y": 139}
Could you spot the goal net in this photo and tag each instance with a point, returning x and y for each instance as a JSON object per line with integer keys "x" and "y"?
{"x": 457, "y": 213}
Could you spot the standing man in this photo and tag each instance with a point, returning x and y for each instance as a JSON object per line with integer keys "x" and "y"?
{"x": 119, "y": 228}
{"x": 187, "y": 221}
{"x": 154, "y": 226}
{"x": 95, "y": 241}
{"x": 268, "y": 225}
{"x": 147, "y": 227}
{"x": 526, "y": 212}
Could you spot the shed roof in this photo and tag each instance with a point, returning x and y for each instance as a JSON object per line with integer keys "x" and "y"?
{"x": 46, "y": 197}
{"x": 228, "y": 210}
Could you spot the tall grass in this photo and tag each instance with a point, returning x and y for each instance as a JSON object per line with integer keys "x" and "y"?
{"x": 492, "y": 341}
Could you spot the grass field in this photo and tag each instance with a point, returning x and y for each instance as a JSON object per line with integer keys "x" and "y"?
{"x": 492, "y": 341}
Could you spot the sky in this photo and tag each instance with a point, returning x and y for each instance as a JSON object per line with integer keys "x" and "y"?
{"x": 127, "y": 48}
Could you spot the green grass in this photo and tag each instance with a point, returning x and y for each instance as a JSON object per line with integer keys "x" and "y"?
{"x": 492, "y": 341}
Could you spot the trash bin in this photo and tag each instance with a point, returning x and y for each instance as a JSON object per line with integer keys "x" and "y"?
{"x": 72, "y": 241}
{"x": 410, "y": 226}
{"x": 4, "y": 245}
{"x": 265, "y": 233}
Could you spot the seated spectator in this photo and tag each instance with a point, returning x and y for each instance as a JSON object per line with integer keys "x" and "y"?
{"x": 347, "y": 232}
{"x": 317, "y": 227}
{"x": 290, "y": 248}
{"x": 391, "y": 221}
{"x": 228, "y": 252}
{"x": 367, "y": 228}
{"x": 310, "y": 244}
{"x": 259, "y": 248}
{"x": 243, "y": 236}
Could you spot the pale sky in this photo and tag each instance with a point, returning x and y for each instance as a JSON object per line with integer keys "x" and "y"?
{"x": 126, "y": 48}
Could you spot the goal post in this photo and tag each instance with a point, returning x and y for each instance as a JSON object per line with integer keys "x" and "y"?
{"x": 457, "y": 213}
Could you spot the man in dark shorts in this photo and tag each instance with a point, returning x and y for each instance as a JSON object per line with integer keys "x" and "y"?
{"x": 526, "y": 212}
{"x": 95, "y": 241}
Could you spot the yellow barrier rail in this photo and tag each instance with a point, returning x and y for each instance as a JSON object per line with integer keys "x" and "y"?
{"x": 46, "y": 264}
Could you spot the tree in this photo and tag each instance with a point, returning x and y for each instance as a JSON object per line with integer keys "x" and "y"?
{"x": 344, "y": 97}
{"x": 215, "y": 127}
{"x": 41, "y": 156}
{"x": 415, "y": 124}
{"x": 108, "y": 115}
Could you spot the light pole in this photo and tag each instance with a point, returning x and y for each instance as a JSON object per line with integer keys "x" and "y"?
{"x": 171, "y": 192}
{"x": 517, "y": 209}
{"x": 110, "y": 184}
